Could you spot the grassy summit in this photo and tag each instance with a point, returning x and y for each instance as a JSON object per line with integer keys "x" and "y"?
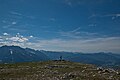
{"x": 55, "y": 70}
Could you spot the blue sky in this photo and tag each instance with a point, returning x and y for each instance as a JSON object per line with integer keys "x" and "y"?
{"x": 61, "y": 25}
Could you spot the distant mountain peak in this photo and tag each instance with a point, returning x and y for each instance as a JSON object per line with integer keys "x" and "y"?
{"x": 12, "y": 54}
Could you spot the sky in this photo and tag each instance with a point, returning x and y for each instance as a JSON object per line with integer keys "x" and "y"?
{"x": 61, "y": 25}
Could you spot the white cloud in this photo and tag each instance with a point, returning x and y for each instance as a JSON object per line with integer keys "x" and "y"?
{"x": 14, "y": 38}
{"x": 117, "y": 15}
{"x": 14, "y": 23}
{"x": 19, "y": 15}
{"x": 17, "y": 29}
{"x": 31, "y": 36}
{"x": 68, "y": 2}
{"x": 113, "y": 16}
{"x": 18, "y": 39}
{"x": 4, "y": 21}
{"x": 11, "y": 40}
{"x": 77, "y": 34}
{"x": 1, "y": 39}
{"x": 5, "y": 34}
{"x": 108, "y": 44}
{"x": 9, "y": 24}
{"x": 52, "y": 19}
{"x": 15, "y": 13}
{"x": 92, "y": 25}
{"x": 76, "y": 29}
{"x": 11, "y": 43}
{"x": 85, "y": 2}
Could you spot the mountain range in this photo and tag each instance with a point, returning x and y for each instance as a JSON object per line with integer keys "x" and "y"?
{"x": 13, "y": 54}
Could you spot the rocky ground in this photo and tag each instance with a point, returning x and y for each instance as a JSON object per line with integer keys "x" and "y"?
{"x": 56, "y": 70}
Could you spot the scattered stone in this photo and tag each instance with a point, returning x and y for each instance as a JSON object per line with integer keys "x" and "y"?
{"x": 100, "y": 69}
{"x": 99, "y": 72}
{"x": 94, "y": 75}
{"x": 71, "y": 75}
{"x": 106, "y": 71}
{"x": 118, "y": 73}
{"x": 1, "y": 67}
{"x": 83, "y": 70}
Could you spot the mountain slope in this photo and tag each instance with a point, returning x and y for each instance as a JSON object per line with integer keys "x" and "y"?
{"x": 10, "y": 54}
{"x": 56, "y": 70}
{"x": 100, "y": 59}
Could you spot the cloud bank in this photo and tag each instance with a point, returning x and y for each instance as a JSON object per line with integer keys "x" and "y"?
{"x": 105, "y": 44}
{"x": 7, "y": 39}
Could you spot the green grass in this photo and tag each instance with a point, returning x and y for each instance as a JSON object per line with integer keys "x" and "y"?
{"x": 52, "y": 70}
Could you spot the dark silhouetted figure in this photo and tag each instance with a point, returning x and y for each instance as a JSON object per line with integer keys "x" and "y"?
{"x": 60, "y": 58}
